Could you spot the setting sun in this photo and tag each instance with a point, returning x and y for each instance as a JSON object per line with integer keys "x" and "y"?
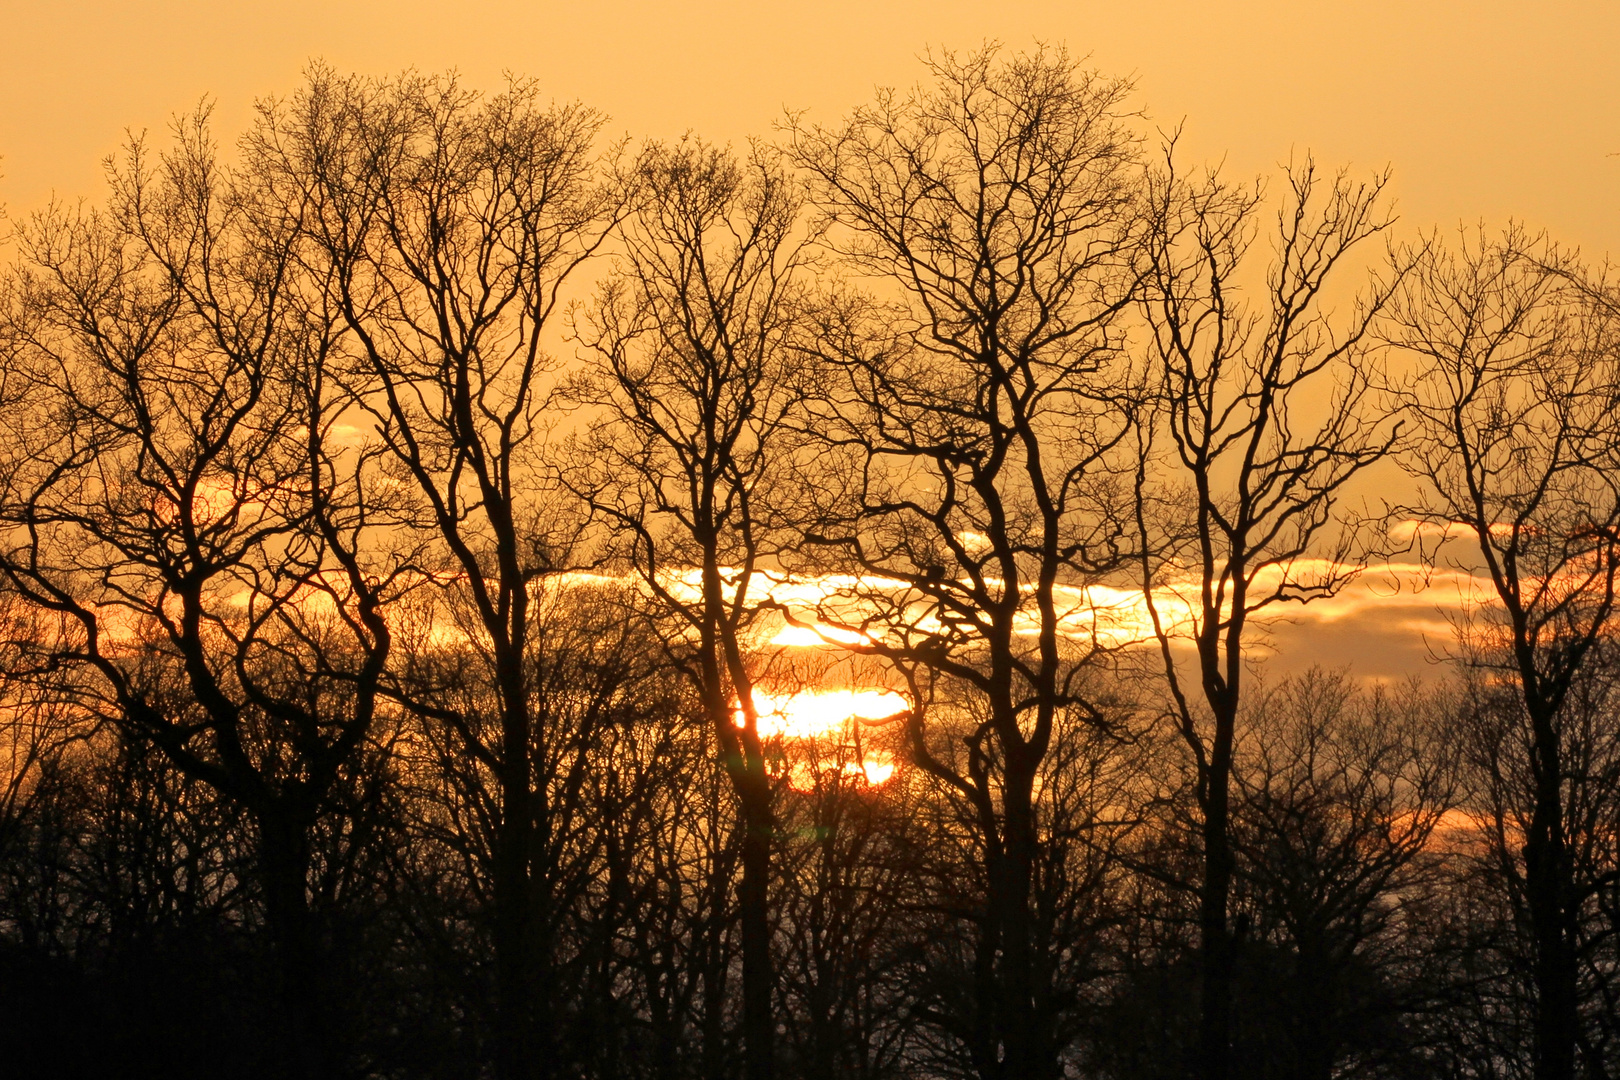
{"x": 736, "y": 541}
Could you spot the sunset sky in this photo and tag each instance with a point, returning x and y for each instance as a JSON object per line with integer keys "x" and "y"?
{"x": 767, "y": 539}
{"x": 1484, "y": 110}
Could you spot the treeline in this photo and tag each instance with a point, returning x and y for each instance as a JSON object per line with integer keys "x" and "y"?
{"x": 430, "y": 529}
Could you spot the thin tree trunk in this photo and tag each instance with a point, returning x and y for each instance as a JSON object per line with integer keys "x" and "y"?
{"x": 515, "y": 1059}
{"x": 1215, "y": 1021}
{"x": 1546, "y": 886}
{"x": 1027, "y": 1054}
{"x": 745, "y": 767}
{"x": 714, "y": 997}
{"x": 759, "y": 1029}
{"x": 986, "y": 1017}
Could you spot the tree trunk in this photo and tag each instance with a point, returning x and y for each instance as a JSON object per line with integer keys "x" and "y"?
{"x": 715, "y": 961}
{"x": 514, "y": 1021}
{"x": 759, "y": 1029}
{"x": 284, "y": 864}
{"x": 1027, "y": 1053}
{"x": 986, "y": 1037}
{"x": 1215, "y": 1021}
{"x": 1546, "y": 888}
{"x": 1316, "y": 1001}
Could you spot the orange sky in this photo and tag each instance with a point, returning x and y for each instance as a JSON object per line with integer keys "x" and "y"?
{"x": 1484, "y": 109}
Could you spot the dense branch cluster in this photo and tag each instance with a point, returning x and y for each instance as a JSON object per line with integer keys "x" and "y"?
{"x": 477, "y": 601}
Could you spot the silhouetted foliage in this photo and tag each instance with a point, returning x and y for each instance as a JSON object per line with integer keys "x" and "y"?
{"x": 826, "y": 650}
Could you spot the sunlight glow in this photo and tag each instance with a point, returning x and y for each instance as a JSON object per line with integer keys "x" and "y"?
{"x": 821, "y": 732}
{"x": 818, "y": 728}
{"x": 811, "y": 713}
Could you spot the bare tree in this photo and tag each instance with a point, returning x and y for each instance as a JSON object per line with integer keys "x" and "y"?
{"x": 37, "y": 723}
{"x": 442, "y": 226}
{"x": 1515, "y": 436}
{"x": 1263, "y": 417}
{"x": 1337, "y": 831}
{"x": 972, "y": 424}
{"x": 381, "y": 695}
{"x": 691, "y": 338}
{"x": 604, "y": 767}
{"x": 176, "y": 500}
{"x": 855, "y": 830}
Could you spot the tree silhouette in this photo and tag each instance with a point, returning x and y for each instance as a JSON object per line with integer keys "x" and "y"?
{"x": 177, "y": 501}
{"x": 691, "y": 339}
{"x": 440, "y": 227}
{"x": 974, "y": 422}
{"x": 1249, "y": 479}
{"x": 399, "y": 680}
{"x": 1515, "y": 439}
